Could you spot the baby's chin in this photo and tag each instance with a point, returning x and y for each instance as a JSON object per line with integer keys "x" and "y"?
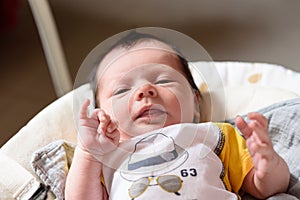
{"x": 137, "y": 130}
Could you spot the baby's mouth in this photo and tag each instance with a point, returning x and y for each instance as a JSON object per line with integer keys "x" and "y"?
{"x": 150, "y": 112}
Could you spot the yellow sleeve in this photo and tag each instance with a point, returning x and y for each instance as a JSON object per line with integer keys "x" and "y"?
{"x": 235, "y": 157}
{"x": 102, "y": 180}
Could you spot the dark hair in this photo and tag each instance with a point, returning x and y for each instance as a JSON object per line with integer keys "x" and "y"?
{"x": 129, "y": 41}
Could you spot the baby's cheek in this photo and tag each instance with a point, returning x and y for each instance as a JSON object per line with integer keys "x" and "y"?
{"x": 183, "y": 106}
{"x": 114, "y": 107}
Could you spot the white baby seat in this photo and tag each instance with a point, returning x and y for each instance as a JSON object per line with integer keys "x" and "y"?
{"x": 247, "y": 87}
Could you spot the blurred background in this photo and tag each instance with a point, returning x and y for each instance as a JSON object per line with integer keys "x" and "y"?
{"x": 254, "y": 31}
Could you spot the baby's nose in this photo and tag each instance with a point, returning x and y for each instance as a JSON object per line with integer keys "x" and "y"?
{"x": 146, "y": 90}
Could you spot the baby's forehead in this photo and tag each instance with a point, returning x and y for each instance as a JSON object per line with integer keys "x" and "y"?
{"x": 121, "y": 50}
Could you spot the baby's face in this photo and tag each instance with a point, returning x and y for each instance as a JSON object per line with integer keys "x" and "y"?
{"x": 144, "y": 89}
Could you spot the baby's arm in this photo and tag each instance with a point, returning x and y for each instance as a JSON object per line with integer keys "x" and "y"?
{"x": 270, "y": 174}
{"x": 83, "y": 180}
{"x": 97, "y": 136}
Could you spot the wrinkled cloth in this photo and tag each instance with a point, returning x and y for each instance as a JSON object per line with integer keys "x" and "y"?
{"x": 51, "y": 164}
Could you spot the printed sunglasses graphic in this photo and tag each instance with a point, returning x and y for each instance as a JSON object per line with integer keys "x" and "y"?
{"x": 169, "y": 183}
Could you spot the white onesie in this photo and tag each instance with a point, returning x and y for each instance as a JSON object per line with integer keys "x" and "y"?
{"x": 177, "y": 162}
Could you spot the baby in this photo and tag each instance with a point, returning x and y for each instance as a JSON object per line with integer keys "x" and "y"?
{"x": 144, "y": 139}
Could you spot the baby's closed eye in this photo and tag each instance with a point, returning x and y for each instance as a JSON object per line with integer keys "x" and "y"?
{"x": 120, "y": 91}
{"x": 163, "y": 81}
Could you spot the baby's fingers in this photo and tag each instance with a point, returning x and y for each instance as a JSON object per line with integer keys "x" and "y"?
{"x": 108, "y": 128}
{"x": 88, "y": 120}
{"x": 112, "y": 126}
{"x": 260, "y": 120}
{"x": 261, "y": 135}
{"x": 84, "y": 109}
{"x": 114, "y": 136}
{"x": 243, "y": 126}
{"x": 104, "y": 120}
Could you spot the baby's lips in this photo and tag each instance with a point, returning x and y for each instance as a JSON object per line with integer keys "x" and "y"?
{"x": 148, "y": 109}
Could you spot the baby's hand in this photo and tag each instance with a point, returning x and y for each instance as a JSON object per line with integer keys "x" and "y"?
{"x": 98, "y": 134}
{"x": 258, "y": 142}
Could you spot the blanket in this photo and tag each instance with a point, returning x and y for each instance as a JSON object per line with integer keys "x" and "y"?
{"x": 51, "y": 164}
